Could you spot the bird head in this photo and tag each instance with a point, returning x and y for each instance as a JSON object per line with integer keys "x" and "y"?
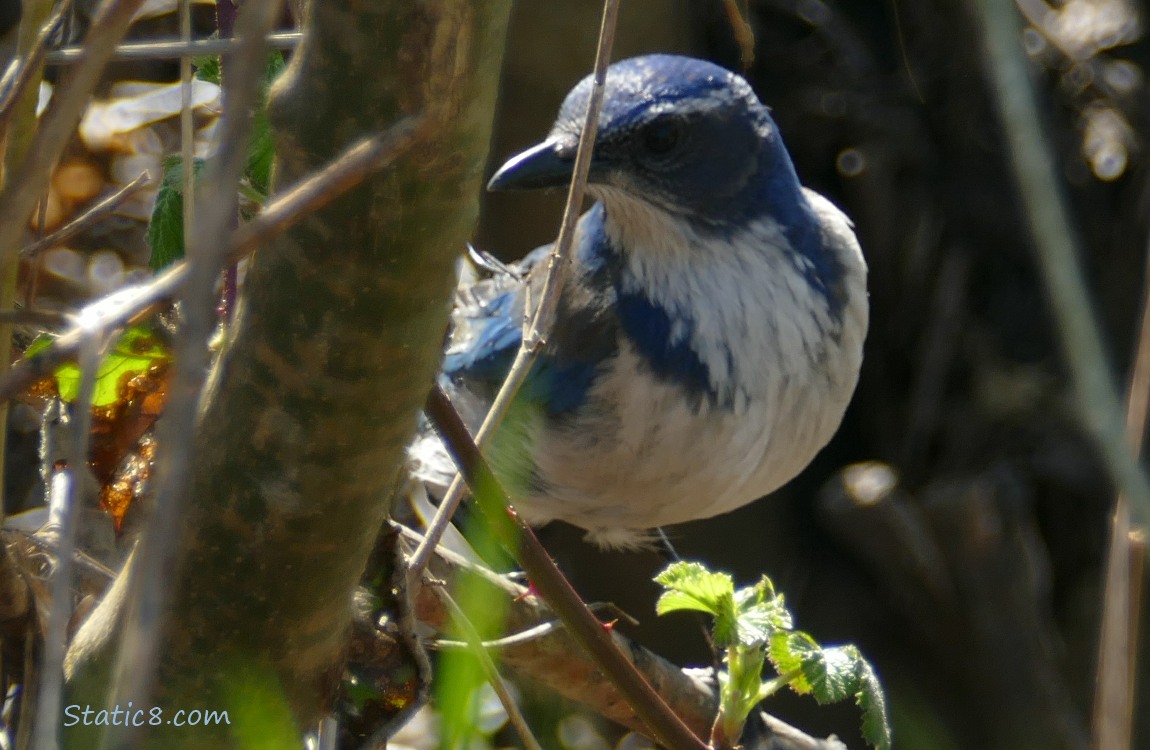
{"x": 680, "y": 134}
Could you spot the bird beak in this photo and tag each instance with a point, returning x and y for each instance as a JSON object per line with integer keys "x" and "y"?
{"x": 543, "y": 166}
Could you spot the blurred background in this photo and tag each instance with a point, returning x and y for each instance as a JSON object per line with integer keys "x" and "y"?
{"x": 955, "y": 529}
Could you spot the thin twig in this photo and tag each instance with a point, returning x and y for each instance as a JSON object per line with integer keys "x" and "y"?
{"x": 131, "y": 303}
{"x": 26, "y": 67}
{"x": 187, "y": 129}
{"x": 490, "y": 671}
{"x": 27, "y": 182}
{"x": 1033, "y": 165}
{"x": 1114, "y": 698}
{"x": 523, "y": 636}
{"x": 529, "y": 634}
{"x": 594, "y": 637}
{"x": 352, "y": 167}
{"x": 90, "y": 216}
{"x": 208, "y": 247}
{"x": 226, "y": 27}
{"x": 742, "y": 31}
{"x": 536, "y": 334}
{"x": 31, "y": 317}
{"x": 170, "y": 49}
{"x": 18, "y": 136}
{"x": 1045, "y": 209}
{"x": 68, "y": 488}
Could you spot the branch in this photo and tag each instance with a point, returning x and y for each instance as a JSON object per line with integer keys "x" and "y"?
{"x": 552, "y": 657}
{"x": 90, "y": 216}
{"x": 158, "y": 551}
{"x": 127, "y": 305}
{"x": 598, "y": 640}
{"x": 28, "y": 180}
{"x": 536, "y": 333}
{"x": 302, "y": 427}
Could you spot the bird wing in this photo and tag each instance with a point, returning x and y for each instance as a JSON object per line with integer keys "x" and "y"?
{"x": 488, "y": 317}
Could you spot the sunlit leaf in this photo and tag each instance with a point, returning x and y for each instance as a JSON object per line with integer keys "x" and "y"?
{"x": 691, "y": 586}
{"x": 870, "y": 698}
{"x": 138, "y": 350}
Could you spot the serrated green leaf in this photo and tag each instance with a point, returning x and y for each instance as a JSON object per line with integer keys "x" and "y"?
{"x": 695, "y": 587}
{"x": 674, "y": 601}
{"x": 208, "y": 66}
{"x": 832, "y": 673}
{"x": 761, "y": 592}
{"x": 761, "y": 613}
{"x": 788, "y": 652}
{"x": 166, "y": 229}
{"x": 174, "y": 171}
{"x": 137, "y": 351}
{"x": 872, "y": 702}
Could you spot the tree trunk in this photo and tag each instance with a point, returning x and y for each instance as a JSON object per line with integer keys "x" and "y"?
{"x": 335, "y": 343}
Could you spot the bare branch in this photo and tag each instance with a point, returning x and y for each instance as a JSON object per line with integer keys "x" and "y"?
{"x": 25, "y": 68}
{"x": 206, "y": 257}
{"x": 130, "y": 303}
{"x": 537, "y": 332}
{"x": 170, "y": 49}
{"x": 28, "y": 181}
{"x": 68, "y": 487}
{"x": 490, "y": 671}
{"x": 90, "y": 216}
{"x": 598, "y": 640}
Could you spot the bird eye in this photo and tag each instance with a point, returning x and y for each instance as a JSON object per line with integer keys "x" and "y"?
{"x": 662, "y": 136}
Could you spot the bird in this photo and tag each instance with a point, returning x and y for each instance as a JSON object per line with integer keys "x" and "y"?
{"x": 710, "y": 334}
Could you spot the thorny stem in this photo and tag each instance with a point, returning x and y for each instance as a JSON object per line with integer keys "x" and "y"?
{"x": 664, "y": 725}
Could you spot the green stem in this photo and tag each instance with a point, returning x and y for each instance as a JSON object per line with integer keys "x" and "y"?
{"x": 772, "y": 686}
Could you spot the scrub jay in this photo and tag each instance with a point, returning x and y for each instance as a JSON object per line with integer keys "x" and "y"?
{"x": 710, "y": 334}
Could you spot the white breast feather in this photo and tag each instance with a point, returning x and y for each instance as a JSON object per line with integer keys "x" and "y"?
{"x": 657, "y": 460}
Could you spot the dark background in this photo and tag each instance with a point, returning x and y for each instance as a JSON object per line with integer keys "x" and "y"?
{"x": 974, "y": 584}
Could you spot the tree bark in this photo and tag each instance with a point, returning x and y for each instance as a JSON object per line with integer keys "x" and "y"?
{"x": 335, "y": 343}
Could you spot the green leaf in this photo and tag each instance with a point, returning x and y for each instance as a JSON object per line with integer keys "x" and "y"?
{"x": 872, "y": 701}
{"x": 691, "y": 586}
{"x": 832, "y": 675}
{"x": 790, "y": 651}
{"x": 208, "y": 66}
{"x": 138, "y": 350}
{"x": 166, "y": 229}
{"x": 761, "y": 612}
{"x": 261, "y": 151}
